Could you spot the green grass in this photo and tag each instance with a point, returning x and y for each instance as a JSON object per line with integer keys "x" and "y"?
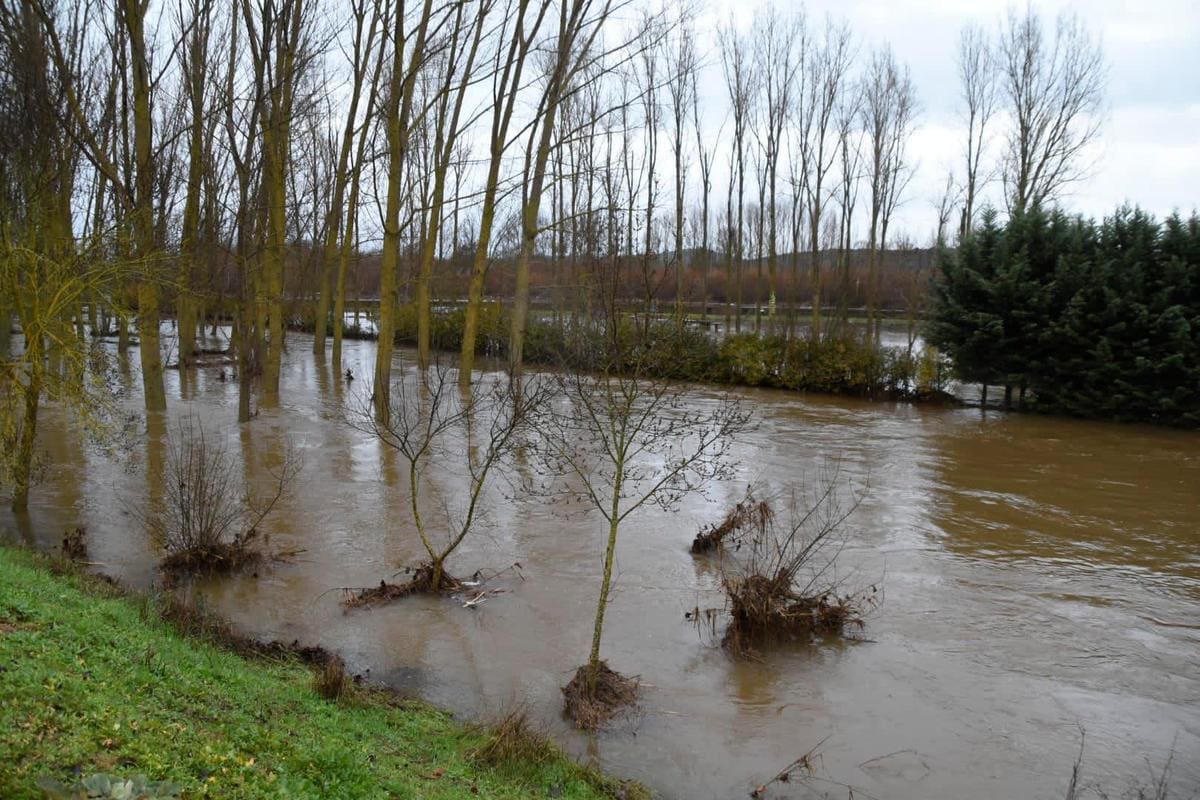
{"x": 93, "y": 682}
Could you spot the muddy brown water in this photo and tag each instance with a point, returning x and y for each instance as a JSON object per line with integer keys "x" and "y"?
{"x": 1040, "y": 576}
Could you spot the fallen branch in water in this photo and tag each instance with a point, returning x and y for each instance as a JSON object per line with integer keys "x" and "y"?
{"x": 481, "y": 598}
{"x": 805, "y": 762}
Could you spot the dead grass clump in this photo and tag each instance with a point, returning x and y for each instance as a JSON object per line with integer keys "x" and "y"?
{"x": 74, "y": 545}
{"x": 191, "y": 619}
{"x": 751, "y": 513}
{"x": 422, "y": 581}
{"x": 591, "y": 703}
{"x": 331, "y": 681}
{"x": 514, "y": 740}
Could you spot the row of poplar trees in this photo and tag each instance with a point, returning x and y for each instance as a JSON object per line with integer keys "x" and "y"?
{"x": 1097, "y": 320}
{"x": 195, "y": 157}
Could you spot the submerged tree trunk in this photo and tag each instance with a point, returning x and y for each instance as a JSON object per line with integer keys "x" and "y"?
{"x": 143, "y": 216}
{"x": 399, "y": 109}
{"x": 529, "y": 232}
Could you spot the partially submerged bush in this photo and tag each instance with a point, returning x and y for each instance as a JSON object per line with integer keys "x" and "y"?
{"x": 596, "y": 694}
{"x": 750, "y": 513}
{"x": 206, "y": 520}
{"x": 779, "y": 587}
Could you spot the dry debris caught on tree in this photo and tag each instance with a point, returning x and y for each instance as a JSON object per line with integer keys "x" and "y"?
{"x": 421, "y": 582}
{"x": 591, "y": 700}
{"x": 765, "y": 610}
{"x": 213, "y": 557}
{"x": 748, "y": 514}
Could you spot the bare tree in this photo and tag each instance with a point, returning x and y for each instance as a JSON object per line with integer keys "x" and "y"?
{"x": 135, "y": 184}
{"x": 977, "y": 75}
{"x": 579, "y": 24}
{"x": 704, "y": 154}
{"x": 850, "y": 146}
{"x": 397, "y": 114}
{"x": 434, "y": 426}
{"x": 889, "y": 108}
{"x": 828, "y": 67}
{"x": 195, "y": 69}
{"x": 946, "y": 201}
{"x": 680, "y": 85}
{"x": 739, "y": 82}
{"x": 622, "y": 441}
{"x": 508, "y": 68}
{"x": 459, "y": 61}
{"x": 278, "y": 39}
{"x": 777, "y": 64}
{"x": 1055, "y": 94}
{"x": 363, "y": 40}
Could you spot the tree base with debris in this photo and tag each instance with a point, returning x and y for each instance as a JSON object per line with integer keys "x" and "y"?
{"x": 610, "y": 693}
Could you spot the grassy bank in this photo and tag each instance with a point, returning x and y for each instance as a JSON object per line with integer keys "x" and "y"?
{"x": 92, "y": 682}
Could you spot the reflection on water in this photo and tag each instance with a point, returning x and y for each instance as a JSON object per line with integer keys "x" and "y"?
{"x": 1040, "y": 575}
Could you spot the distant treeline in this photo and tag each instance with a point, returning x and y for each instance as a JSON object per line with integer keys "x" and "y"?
{"x": 1092, "y": 320}
{"x": 709, "y": 278}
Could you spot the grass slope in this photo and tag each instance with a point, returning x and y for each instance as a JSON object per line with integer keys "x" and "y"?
{"x": 94, "y": 683}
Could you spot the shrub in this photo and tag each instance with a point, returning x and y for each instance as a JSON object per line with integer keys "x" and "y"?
{"x": 778, "y": 587}
{"x": 205, "y": 520}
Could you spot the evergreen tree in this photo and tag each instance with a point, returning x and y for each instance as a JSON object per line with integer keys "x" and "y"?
{"x": 1095, "y": 321}
{"x": 964, "y": 324}
{"x": 1134, "y": 325}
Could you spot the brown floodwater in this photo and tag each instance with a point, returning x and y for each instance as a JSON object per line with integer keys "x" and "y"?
{"x": 1040, "y": 576}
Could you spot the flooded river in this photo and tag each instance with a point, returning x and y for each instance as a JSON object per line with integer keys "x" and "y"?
{"x": 1040, "y": 576}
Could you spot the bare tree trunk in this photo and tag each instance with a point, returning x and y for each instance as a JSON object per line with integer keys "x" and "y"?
{"x": 398, "y": 113}
{"x": 337, "y": 220}
{"x": 571, "y": 54}
{"x": 445, "y": 139}
{"x": 143, "y": 221}
{"x": 195, "y": 78}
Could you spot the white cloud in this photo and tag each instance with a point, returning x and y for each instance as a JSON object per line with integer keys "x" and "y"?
{"x": 1150, "y": 148}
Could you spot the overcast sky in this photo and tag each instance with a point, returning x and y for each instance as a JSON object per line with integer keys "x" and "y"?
{"x": 1149, "y": 153}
